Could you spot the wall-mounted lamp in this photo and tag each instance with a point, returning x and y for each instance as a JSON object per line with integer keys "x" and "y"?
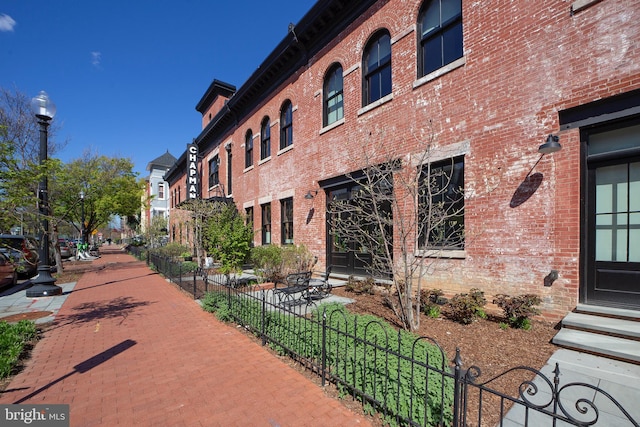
{"x": 550, "y": 278}
{"x": 310, "y": 194}
{"x": 551, "y": 145}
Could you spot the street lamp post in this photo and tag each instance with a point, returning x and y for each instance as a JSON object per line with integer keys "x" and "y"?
{"x": 44, "y": 283}
{"x": 82, "y": 231}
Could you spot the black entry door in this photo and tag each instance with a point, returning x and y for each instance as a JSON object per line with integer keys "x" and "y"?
{"x": 613, "y": 216}
{"x": 345, "y": 257}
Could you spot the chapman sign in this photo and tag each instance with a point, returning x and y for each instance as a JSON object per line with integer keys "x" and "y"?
{"x": 193, "y": 178}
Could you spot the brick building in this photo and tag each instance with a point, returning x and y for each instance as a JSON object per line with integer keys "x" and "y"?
{"x": 484, "y": 85}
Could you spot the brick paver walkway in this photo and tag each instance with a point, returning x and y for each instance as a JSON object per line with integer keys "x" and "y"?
{"x": 127, "y": 348}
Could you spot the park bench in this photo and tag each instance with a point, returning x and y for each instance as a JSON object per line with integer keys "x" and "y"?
{"x": 295, "y": 284}
{"x": 300, "y": 288}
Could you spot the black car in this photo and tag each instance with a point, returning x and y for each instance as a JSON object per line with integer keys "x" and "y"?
{"x": 22, "y": 251}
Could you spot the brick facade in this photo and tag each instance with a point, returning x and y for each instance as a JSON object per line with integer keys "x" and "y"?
{"x": 523, "y": 63}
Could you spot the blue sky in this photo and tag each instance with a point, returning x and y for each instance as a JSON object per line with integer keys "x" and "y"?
{"x": 126, "y": 75}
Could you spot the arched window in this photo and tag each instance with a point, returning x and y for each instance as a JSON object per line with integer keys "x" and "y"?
{"x": 248, "y": 149}
{"x": 439, "y": 34}
{"x": 265, "y": 138}
{"x": 286, "y": 125}
{"x": 333, "y": 101}
{"x": 377, "y": 68}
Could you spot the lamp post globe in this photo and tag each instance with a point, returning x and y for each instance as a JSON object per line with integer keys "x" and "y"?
{"x": 43, "y": 285}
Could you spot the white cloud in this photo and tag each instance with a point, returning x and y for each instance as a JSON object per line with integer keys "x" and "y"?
{"x": 96, "y": 58}
{"x": 6, "y": 23}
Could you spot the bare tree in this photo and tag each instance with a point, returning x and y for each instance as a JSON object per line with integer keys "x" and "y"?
{"x": 200, "y": 210}
{"x": 402, "y": 213}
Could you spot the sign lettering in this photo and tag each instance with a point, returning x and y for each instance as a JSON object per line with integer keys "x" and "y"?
{"x": 193, "y": 178}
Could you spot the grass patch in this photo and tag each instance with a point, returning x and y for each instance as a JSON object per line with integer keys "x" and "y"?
{"x": 14, "y": 341}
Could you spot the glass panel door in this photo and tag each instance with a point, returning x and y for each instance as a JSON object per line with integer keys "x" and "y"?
{"x": 613, "y": 218}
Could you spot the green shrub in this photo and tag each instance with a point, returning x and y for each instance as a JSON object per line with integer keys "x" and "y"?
{"x": 228, "y": 238}
{"x": 466, "y": 308}
{"x": 518, "y": 310}
{"x": 218, "y": 304}
{"x": 430, "y": 302}
{"x": 358, "y": 286}
{"x": 350, "y": 359}
{"x": 13, "y": 340}
{"x": 172, "y": 249}
{"x": 296, "y": 258}
{"x": 182, "y": 268}
{"x": 267, "y": 262}
{"x": 392, "y": 376}
{"x": 272, "y": 263}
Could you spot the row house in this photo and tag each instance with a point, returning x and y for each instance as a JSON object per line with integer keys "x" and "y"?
{"x": 533, "y": 108}
{"x": 156, "y": 198}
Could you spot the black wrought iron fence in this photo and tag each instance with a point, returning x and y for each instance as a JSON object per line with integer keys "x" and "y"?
{"x": 406, "y": 379}
{"x": 187, "y": 275}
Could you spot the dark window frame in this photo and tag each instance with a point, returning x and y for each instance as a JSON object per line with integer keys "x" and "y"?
{"x": 265, "y": 138}
{"x": 248, "y": 149}
{"x": 377, "y": 80}
{"x": 447, "y": 211}
{"x": 248, "y": 212}
{"x": 442, "y": 43}
{"x": 286, "y": 125}
{"x": 265, "y": 214}
{"x": 229, "y": 170}
{"x": 333, "y": 95}
{"x": 286, "y": 221}
{"x": 214, "y": 171}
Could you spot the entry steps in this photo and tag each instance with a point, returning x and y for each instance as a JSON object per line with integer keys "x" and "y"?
{"x": 608, "y": 332}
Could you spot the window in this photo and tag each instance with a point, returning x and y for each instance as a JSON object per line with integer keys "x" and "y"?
{"x": 441, "y": 205}
{"x": 332, "y": 93}
{"x": 266, "y": 224}
{"x": 248, "y": 149}
{"x": 214, "y": 173}
{"x": 248, "y": 218}
{"x": 248, "y": 212}
{"x": 286, "y": 212}
{"x": 265, "y": 140}
{"x": 161, "y": 191}
{"x": 440, "y": 34}
{"x": 377, "y": 68}
{"x": 229, "y": 169}
{"x": 286, "y": 125}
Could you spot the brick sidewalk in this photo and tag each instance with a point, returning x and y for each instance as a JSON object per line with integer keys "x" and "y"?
{"x": 128, "y": 348}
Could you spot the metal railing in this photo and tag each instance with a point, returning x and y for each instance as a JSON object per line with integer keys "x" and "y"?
{"x": 406, "y": 379}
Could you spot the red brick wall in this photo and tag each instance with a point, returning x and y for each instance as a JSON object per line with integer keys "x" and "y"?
{"x": 524, "y": 61}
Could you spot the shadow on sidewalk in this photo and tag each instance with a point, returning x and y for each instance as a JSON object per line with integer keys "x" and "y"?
{"x": 120, "y": 307}
{"x": 111, "y": 282}
{"x": 82, "y": 367}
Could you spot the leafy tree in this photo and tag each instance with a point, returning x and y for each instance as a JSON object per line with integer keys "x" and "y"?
{"x": 228, "y": 237}
{"x": 109, "y": 186}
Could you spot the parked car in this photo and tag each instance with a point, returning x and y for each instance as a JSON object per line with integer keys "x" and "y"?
{"x": 8, "y": 273}
{"x": 22, "y": 251}
{"x": 66, "y": 250}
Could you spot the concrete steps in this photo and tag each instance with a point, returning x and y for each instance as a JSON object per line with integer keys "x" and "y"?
{"x": 604, "y": 331}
